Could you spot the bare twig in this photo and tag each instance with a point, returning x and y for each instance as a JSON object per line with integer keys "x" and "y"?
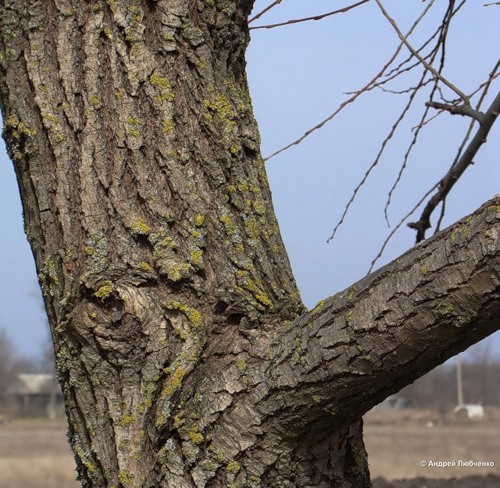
{"x": 404, "y": 39}
{"x": 449, "y": 180}
{"x": 406, "y": 157}
{"x": 262, "y": 12}
{"x": 465, "y": 110}
{"x": 401, "y": 222}
{"x": 440, "y": 44}
{"x": 369, "y": 86}
{"x": 306, "y": 19}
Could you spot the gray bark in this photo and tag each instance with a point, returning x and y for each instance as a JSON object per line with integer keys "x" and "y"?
{"x": 184, "y": 352}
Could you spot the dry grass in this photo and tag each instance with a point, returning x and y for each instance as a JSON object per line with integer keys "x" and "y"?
{"x": 35, "y": 453}
{"x": 397, "y": 443}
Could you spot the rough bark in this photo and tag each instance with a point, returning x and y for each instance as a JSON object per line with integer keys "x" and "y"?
{"x": 181, "y": 343}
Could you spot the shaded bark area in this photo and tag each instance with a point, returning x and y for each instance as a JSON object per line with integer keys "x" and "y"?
{"x": 181, "y": 343}
{"x": 367, "y": 342}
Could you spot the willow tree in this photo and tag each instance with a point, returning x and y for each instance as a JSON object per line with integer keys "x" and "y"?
{"x": 184, "y": 352}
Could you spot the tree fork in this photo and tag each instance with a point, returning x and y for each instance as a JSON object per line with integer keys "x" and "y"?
{"x": 181, "y": 343}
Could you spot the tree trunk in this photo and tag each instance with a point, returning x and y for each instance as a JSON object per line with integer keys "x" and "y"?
{"x": 182, "y": 346}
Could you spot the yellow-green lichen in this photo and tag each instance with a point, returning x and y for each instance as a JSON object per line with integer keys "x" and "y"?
{"x": 105, "y": 290}
{"x": 196, "y": 256}
{"x": 133, "y": 126}
{"x": 252, "y": 228}
{"x": 350, "y": 295}
{"x": 49, "y": 272}
{"x": 179, "y": 272}
{"x": 233, "y": 466}
{"x": 444, "y": 309}
{"x": 125, "y": 477}
{"x": 241, "y": 364}
{"x": 196, "y": 437}
{"x": 254, "y": 287}
{"x": 228, "y": 223}
{"x": 259, "y": 207}
{"x": 179, "y": 421}
{"x": 140, "y": 227}
{"x": 193, "y": 315}
{"x": 95, "y": 100}
{"x": 423, "y": 269}
{"x": 126, "y": 420}
{"x": 84, "y": 458}
{"x": 174, "y": 381}
{"x": 168, "y": 126}
{"x": 220, "y": 107}
{"x": 199, "y": 219}
{"x": 134, "y": 27}
{"x": 164, "y": 87}
{"x": 348, "y": 317}
{"x": 145, "y": 266}
{"x": 120, "y": 93}
{"x": 298, "y": 353}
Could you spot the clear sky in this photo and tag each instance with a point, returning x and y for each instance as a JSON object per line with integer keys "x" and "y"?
{"x": 298, "y": 75}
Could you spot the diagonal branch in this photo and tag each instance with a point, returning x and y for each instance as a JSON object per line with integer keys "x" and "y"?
{"x": 306, "y": 19}
{"x": 355, "y": 348}
{"x": 465, "y": 110}
{"x": 456, "y": 171}
{"x": 264, "y": 11}
{"x": 404, "y": 40}
{"x": 368, "y": 87}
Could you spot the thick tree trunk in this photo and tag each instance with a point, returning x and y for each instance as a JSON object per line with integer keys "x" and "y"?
{"x": 181, "y": 342}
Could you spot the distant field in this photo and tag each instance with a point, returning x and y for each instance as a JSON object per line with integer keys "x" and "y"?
{"x": 35, "y": 454}
{"x": 399, "y": 443}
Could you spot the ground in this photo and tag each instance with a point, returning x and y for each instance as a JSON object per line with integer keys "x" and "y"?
{"x": 422, "y": 449}
{"x": 34, "y": 453}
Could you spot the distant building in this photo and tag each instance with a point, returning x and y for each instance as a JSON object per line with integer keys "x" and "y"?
{"x": 33, "y": 395}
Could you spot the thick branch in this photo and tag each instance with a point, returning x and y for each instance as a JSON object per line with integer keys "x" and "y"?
{"x": 464, "y": 110}
{"x": 359, "y": 346}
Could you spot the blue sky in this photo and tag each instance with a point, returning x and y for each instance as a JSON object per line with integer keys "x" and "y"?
{"x": 298, "y": 75}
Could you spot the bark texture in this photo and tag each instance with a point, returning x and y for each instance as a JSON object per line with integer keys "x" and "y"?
{"x": 182, "y": 346}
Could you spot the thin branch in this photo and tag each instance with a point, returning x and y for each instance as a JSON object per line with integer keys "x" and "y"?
{"x": 369, "y": 86}
{"x": 441, "y": 216}
{"x": 486, "y": 85}
{"x": 410, "y": 89}
{"x": 405, "y": 159}
{"x": 401, "y": 222}
{"x": 306, "y": 19}
{"x": 262, "y": 12}
{"x": 440, "y": 44}
{"x": 404, "y": 39}
{"x": 449, "y": 180}
{"x": 465, "y": 110}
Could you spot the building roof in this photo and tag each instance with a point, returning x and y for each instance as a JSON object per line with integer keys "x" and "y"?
{"x": 33, "y": 384}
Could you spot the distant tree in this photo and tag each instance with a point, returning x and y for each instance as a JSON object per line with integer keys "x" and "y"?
{"x": 481, "y": 375}
{"x": 185, "y": 354}
{"x": 11, "y": 363}
{"x": 46, "y": 363}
